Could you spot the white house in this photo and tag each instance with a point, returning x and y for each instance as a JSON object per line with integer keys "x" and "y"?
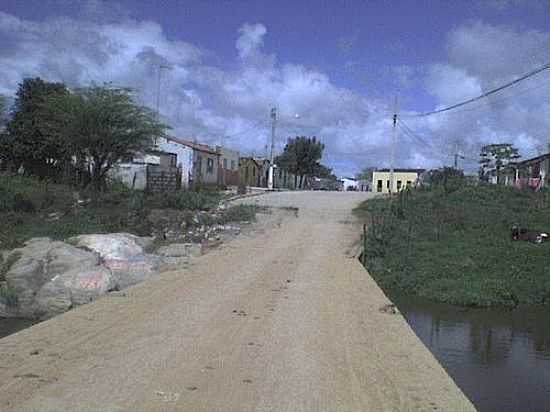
{"x": 184, "y": 156}
{"x": 349, "y": 183}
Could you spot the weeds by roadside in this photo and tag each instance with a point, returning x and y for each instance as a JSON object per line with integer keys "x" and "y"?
{"x": 456, "y": 246}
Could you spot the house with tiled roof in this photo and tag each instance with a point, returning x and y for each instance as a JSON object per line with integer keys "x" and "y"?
{"x": 199, "y": 163}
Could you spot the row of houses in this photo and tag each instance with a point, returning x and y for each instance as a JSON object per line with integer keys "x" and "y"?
{"x": 180, "y": 163}
{"x": 533, "y": 173}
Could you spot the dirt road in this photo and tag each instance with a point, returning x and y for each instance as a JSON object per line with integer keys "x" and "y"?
{"x": 281, "y": 319}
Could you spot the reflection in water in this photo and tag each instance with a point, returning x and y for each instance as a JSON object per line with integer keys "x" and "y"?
{"x": 500, "y": 359}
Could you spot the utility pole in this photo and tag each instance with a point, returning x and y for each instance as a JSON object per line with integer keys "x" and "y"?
{"x": 273, "y": 126}
{"x": 161, "y": 66}
{"x": 392, "y": 149}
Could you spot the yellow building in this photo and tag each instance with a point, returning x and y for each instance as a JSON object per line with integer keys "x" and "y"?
{"x": 402, "y": 178}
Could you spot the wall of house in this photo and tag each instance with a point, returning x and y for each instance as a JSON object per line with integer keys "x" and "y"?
{"x": 184, "y": 158}
{"x": 205, "y": 167}
{"x": 400, "y": 181}
{"x": 248, "y": 173}
{"x": 132, "y": 175}
{"x": 229, "y": 166}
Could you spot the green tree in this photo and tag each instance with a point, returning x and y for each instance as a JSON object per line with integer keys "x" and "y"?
{"x": 26, "y": 143}
{"x": 301, "y": 157}
{"x": 100, "y": 126}
{"x": 493, "y": 157}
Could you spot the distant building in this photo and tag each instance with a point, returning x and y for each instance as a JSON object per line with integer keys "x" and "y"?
{"x": 533, "y": 173}
{"x": 349, "y": 183}
{"x": 229, "y": 166}
{"x": 249, "y": 172}
{"x": 402, "y": 179}
{"x": 364, "y": 185}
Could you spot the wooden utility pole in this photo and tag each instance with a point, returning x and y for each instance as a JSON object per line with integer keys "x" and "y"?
{"x": 392, "y": 149}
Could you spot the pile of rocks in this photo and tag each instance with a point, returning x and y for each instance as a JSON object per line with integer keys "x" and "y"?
{"x": 50, "y": 277}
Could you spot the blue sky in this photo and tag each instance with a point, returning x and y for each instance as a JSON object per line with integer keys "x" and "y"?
{"x": 337, "y": 64}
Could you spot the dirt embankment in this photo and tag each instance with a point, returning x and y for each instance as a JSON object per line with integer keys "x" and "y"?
{"x": 278, "y": 320}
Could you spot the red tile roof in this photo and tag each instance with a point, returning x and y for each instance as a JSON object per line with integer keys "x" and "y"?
{"x": 194, "y": 145}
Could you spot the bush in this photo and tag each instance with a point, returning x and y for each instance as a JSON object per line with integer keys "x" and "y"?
{"x": 239, "y": 213}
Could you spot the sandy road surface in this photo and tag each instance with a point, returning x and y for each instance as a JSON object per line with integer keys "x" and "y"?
{"x": 277, "y": 320}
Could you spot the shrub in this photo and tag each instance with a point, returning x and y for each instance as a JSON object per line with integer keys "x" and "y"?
{"x": 239, "y": 213}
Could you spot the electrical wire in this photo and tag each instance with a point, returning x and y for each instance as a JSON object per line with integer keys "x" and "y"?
{"x": 485, "y": 94}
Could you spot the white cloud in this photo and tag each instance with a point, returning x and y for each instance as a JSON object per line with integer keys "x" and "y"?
{"x": 209, "y": 101}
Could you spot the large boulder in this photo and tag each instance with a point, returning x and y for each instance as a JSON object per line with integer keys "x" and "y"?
{"x": 39, "y": 262}
{"x": 72, "y": 288}
{"x": 113, "y": 245}
{"x": 124, "y": 254}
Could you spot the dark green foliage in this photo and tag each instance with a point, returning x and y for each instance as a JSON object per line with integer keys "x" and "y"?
{"x": 27, "y": 143}
{"x": 100, "y": 126}
{"x": 301, "y": 157}
{"x": 185, "y": 200}
{"x": 456, "y": 247}
{"x": 57, "y": 213}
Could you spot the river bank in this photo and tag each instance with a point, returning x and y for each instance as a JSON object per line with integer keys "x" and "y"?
{"x": 456, "y": 246}
{"x": 499, "y": 358}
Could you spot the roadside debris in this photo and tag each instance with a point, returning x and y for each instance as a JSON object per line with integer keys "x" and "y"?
{"x": 522, "y": 233}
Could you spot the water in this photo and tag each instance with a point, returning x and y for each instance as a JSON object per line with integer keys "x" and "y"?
{"x": 500, "y": 359}
{"x": 12, "y": 325}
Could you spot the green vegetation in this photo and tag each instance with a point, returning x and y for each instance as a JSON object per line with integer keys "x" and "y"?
{"x": 75, "y": 135}
{"x": 239, "y": 213}
{"x": 30, "y": 207}
{"x": 453, "y": 244}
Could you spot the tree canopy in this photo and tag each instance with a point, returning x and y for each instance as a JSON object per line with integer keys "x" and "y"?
{"x": 26, "y": 143}
{"x": 100, "y": 126}
{"x": 494, "y": 157}
{"x": 301, "y": 156}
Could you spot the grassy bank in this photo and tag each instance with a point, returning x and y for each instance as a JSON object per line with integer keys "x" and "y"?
{"x": 33, "y": 208}
{"x": 456, "y": 247}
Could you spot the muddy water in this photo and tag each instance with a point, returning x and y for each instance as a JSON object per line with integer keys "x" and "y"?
{"x": 11, "y": 325}
{"x": 500, "y": 359}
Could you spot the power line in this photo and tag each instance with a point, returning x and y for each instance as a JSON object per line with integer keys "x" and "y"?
{"x": 488, "y": 93}
{"x": 409, "y": 132}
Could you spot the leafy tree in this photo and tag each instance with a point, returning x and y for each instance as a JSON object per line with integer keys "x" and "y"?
{"x": 100, "y": 126}
{"x": 324, "y": 172}
{"x": 301, "y": 157}
{"x": 494, "y": 157}
{"x": 26, "y": 143}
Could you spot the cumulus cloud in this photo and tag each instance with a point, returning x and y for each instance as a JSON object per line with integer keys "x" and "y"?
{"x": 482, "y": 56}
{"x": 212, "y": 103}
{"x": 230, "y": 102}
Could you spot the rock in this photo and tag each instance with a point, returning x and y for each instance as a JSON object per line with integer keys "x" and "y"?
{"x": 180, "y": 250}
{"x": 113, "y": 245}
{"x": 136, "y": 269}
{"x": 72, "y": 288}
{"x": 40, "y": 261}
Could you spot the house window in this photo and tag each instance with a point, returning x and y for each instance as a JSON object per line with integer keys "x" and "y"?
{"x": 225, "y": 163}
{"x": 399, "y": 185}
{"x": 232, "y": 165}
{"x": 210, "y": 166}
{"x": 409, "y": 183}
{"x": 379, "y": 186}
{"x": 387, "y": 184}
{"x": 253, "y": 171}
